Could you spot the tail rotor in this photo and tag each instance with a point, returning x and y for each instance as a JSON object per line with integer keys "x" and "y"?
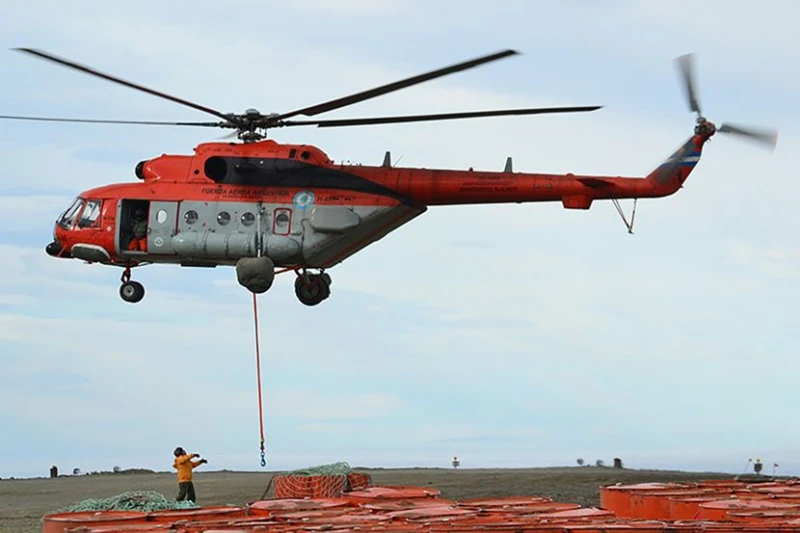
{"x": 686, "y": 69}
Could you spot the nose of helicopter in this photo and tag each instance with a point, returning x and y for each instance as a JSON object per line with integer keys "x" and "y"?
{"x": 55, "y": 248}
{"x": 52, "y": 249}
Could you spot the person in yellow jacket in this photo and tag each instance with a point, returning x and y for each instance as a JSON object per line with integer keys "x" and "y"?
{"x": 184, "y": 464}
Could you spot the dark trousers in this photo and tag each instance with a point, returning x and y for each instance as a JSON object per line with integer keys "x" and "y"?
{"x": 186, "y": 489}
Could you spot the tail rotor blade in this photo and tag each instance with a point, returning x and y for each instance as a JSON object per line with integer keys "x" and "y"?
{"x": 685, "y": 65}
{"x": 767, "y": 137}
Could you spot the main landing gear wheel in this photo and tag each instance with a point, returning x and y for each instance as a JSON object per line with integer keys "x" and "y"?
{"x": 130, "y": 291}
{"x": 312, "y": 289}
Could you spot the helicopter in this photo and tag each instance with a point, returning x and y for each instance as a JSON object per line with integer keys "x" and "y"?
{"x": 267, "y": 208}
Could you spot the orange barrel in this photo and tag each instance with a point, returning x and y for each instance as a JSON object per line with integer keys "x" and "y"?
{"x": 654, "y": 504}
{"x": 316, "y": 514}
{"x": 688, "y": 508}
{"x": 699, "y": 526}
{"x": 776, "y": 490}
{"x": 268, "y": 507}
{"x": 359, "y": 481}
{"x": 387, "y": 527}
{"x": 205, "y": 525}
{"x": 748, "y": 494}
{"x": 203, "y": 513}
{"x": 720, "y": 484}
{"x": 293, "y": 487}
{"x": 580, "y": 513}
{"x": 200, "y": 529}
{"x": 495, "y": 503}
{"x": 403, "y": 505}
{"x": 58, "y": 522}
{"x": 394, "y": 492}
{"x": 479, "y": 521}
{"x": 536, "y": 509}
{"x": 718, "y": 510}
{"x": 431, "y": 513}
{"x": 327, "y": 486}
{"x": 307, "y": 519}
{"x": 775, "y": 515}
{"x": 626, "y": 527}
{"x": 617, "y": 498}
{"x": 787, "y": 497}
{"x": 143, "y": 527}
{"x": 254, "y": 524}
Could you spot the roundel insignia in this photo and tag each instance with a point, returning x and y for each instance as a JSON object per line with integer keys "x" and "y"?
{"x": 158, "y": 241}
{"x": 303, "y": 199}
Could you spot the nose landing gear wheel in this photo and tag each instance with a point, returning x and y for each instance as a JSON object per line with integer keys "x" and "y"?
{"x": 131, "y": 291}
{"x": 312, "y": 289}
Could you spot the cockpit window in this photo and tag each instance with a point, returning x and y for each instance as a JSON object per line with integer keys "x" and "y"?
{"x": 90, "y": 214}
{"x": 67, "y": 219}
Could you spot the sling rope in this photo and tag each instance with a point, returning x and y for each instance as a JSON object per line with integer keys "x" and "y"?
{"x": 258, "y": 375}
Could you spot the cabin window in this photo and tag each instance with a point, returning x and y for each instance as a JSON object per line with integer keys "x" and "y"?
{"x": 67, "y": 219}
{"x": 190, "y": 217}
{"x": 292, "y": 153}
{"x": 91, "y": 214}
{"x": 281, "y": 221}
{"x": 248, "y": 219}
{"x": 223, "y": 218}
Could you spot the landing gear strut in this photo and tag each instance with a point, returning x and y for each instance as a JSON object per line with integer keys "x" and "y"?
{"x": 130, "y": 291}
{"x": 312, "y": 289}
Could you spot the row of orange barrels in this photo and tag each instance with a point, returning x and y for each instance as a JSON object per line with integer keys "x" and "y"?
{"x": 712, "y": 500}
{"x": 393, "y": 509}
{"x": 413, "y": 510}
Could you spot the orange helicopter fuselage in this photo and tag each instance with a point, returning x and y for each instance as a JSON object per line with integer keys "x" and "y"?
{"x": 273, "y": 174}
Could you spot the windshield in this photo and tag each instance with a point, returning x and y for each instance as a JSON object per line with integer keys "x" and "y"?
{"x": 90, "y": 214}
{"x": 67, "y": 219}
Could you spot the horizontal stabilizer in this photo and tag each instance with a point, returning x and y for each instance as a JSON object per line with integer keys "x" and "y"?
{"x": 595, "y": 182}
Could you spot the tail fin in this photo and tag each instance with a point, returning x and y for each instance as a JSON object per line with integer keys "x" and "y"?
{"x": 676, "y": 168}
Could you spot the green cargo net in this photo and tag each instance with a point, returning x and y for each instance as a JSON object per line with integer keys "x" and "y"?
{"x": 139, "y": 500}
{"x": 333, "y": 469}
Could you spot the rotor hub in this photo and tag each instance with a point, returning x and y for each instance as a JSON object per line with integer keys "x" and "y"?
{"x": 704, "y": 127}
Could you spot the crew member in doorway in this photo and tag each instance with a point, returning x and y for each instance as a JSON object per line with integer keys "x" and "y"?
{"x": 139, "y": 231}
{"x": 184, "y": 464}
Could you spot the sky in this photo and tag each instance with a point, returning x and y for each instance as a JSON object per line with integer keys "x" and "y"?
{"x": 517, "y": 335}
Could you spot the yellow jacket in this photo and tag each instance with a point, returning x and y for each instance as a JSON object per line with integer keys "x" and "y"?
{"x": 184, "y": 465}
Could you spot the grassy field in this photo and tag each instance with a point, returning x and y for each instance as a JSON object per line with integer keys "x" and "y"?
{"x": 23, "y": 502}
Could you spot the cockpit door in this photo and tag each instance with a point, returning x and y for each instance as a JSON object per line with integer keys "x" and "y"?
{"x": 163, "y": 222}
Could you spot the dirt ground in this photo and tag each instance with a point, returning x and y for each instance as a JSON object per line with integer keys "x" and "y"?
{"x": 23, "y": 502}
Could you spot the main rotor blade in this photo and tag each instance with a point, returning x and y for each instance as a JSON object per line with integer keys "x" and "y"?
{"x": 88, "y": 70}
{"x": 440, "y": 116}
{"x": 101, "y": 121}
{"x": 768, "y": 137}
{"x": 378, "y": 91}
{"x": 686, "y": 66}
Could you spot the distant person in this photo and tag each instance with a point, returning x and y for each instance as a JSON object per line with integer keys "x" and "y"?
{"x": 184, "y": 464}
{"x": 139, "y": 230}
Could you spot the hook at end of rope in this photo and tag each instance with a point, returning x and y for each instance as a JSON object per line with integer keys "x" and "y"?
{"x": 263, "y": 459}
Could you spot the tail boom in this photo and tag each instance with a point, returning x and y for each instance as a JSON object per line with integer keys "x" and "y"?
{"x": 431, "y": 187}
